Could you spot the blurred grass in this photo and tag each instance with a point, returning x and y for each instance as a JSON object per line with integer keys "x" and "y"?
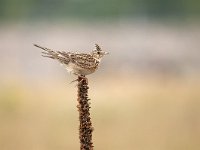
{"x": 98, "y": 10}
{"x": 129, "y": 112}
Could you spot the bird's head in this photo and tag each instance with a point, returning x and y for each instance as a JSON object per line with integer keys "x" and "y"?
{"x": 98, "y": 53}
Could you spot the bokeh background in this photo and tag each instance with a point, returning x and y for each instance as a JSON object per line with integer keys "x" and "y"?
{"x": 145, "y": 95}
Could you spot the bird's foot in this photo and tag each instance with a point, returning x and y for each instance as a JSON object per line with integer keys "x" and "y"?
{"x": 74, "y": 81}
{"x": 81, "y": 78}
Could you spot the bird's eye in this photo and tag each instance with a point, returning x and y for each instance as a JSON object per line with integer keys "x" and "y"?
{"x": 98, "y": 53}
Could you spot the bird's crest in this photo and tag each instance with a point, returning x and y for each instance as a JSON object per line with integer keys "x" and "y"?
{"x": 98, "y": 48}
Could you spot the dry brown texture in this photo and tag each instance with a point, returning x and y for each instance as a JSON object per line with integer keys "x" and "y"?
{"x": 85, "y": 128}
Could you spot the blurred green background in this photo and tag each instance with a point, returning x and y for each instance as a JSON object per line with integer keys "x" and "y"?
{"x": 145, "y": 95}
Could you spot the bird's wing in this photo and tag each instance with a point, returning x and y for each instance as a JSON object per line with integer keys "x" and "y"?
{"x": 84, "y": 60}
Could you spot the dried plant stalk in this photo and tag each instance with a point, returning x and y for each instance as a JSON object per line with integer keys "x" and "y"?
{"x": 85, "y": 128}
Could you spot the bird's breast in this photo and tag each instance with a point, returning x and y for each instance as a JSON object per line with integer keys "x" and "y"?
{"x": 73, "y": 68}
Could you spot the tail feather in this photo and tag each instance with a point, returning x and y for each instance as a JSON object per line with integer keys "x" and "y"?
{"x": 62, "y": 57}
{"x": 49, "y": 56}
{"x": 44, "y": 48}
{"x": 48, "y": 52}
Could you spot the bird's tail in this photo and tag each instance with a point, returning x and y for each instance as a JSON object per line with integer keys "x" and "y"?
{"x": 48, "y": 52}
{"x": 62, "y": 57}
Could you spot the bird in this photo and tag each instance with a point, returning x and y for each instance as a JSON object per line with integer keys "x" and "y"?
{"x": 80, "y": 64}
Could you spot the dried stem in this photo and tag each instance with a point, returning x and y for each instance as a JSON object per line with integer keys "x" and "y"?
{"x": 85, "y": 128}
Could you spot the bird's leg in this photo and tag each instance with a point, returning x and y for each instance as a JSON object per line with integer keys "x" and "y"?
{"x": 73, "y": 81}
{"x": 80, "y": 78}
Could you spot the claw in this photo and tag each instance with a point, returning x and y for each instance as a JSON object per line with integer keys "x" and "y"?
{"x": 73, "y": 81}
{"x": 81, "y": 78}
